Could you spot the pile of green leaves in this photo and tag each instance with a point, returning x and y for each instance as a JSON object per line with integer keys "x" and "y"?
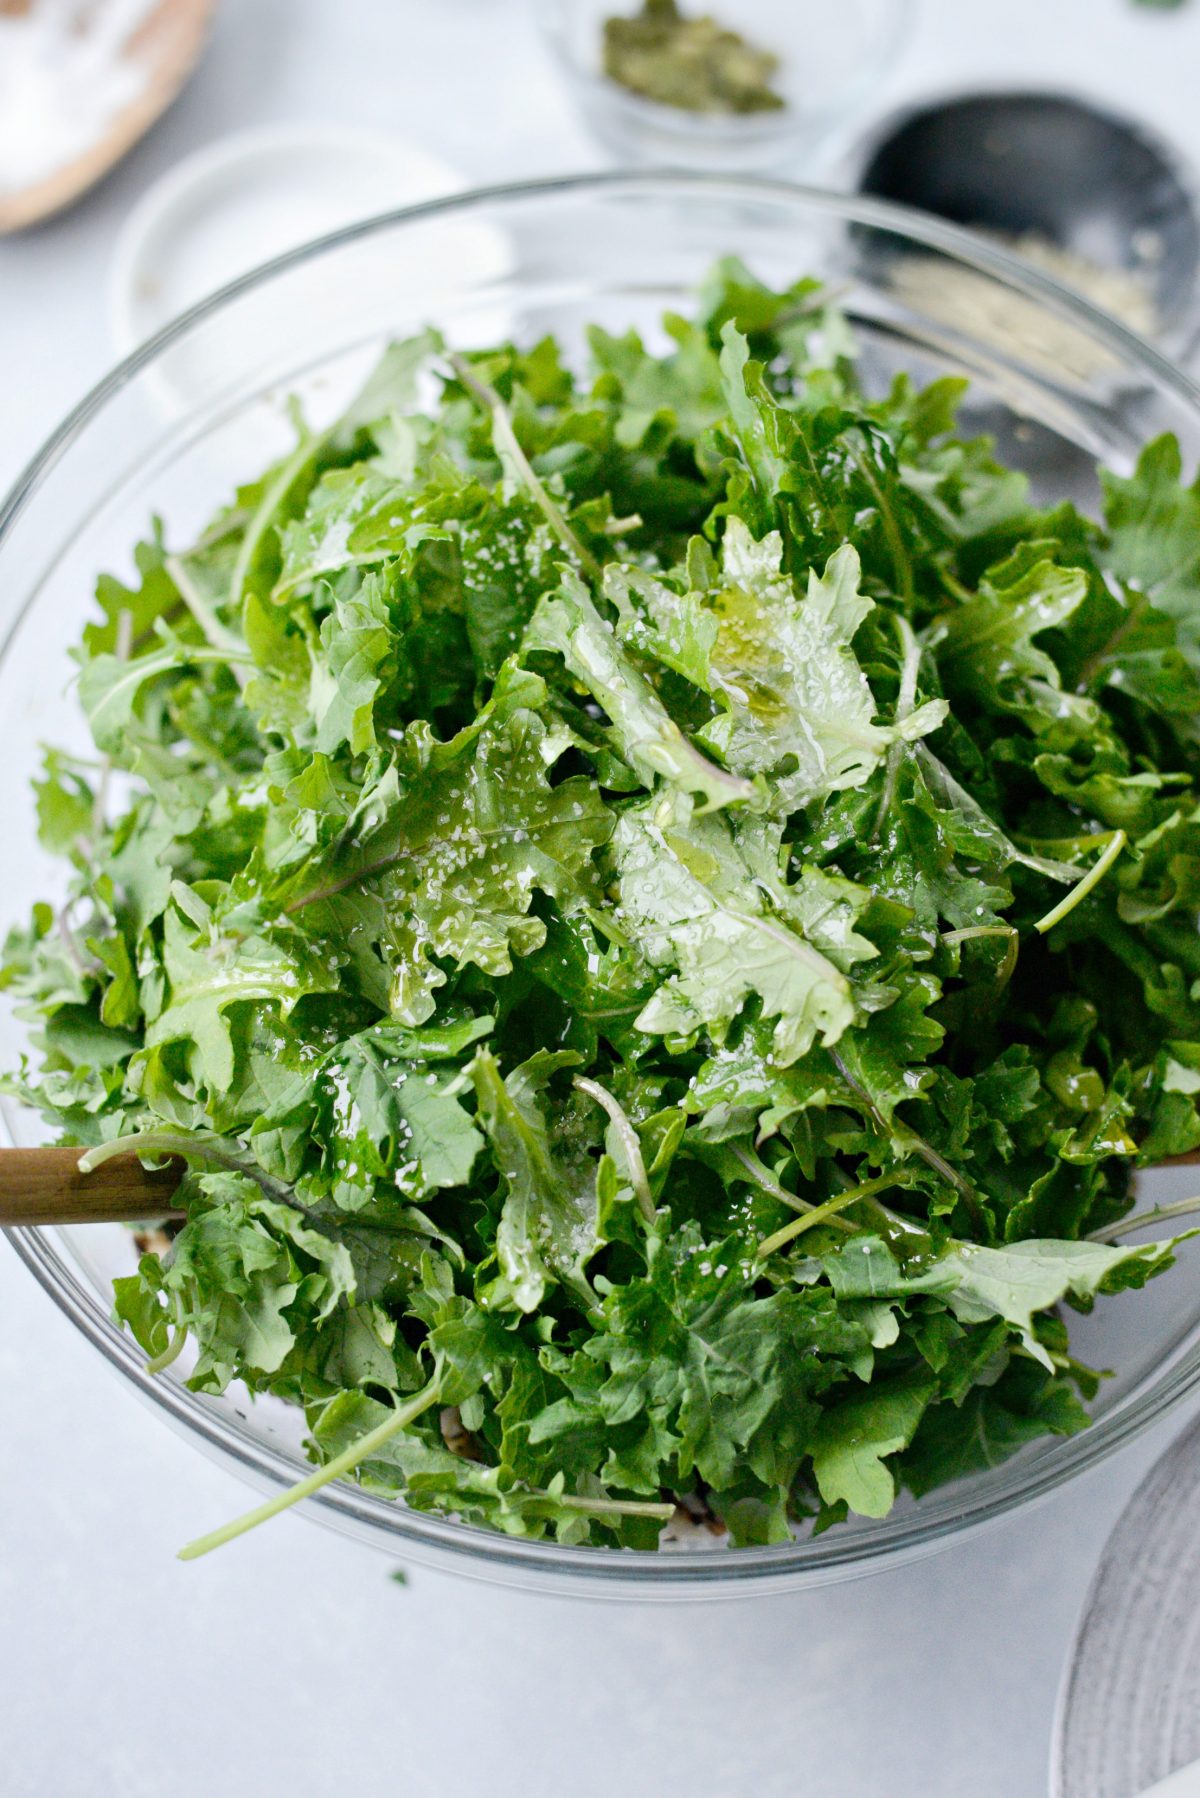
{"x": 660, "y": 906}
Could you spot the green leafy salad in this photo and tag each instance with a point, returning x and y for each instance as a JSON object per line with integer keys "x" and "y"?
{"x": 658, "y": 901}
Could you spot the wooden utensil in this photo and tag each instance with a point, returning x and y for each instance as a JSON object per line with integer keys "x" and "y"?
{"x": 167, "y": 46}
{"x": 45, "y": 1186}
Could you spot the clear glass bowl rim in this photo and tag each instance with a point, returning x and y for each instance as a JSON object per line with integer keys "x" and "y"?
{"x": 421, "y": 1536}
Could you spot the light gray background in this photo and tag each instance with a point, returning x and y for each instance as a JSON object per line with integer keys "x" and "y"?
{"x": 289, "y": 1664}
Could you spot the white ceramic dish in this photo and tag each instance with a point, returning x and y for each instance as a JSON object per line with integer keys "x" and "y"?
{"x": 1129, "y": 1709}
{"x": 256, "y": 195}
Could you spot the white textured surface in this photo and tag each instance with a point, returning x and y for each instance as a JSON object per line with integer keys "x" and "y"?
{"x": 289, "y": 1666}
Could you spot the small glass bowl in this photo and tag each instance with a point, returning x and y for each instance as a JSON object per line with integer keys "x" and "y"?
{"x": 830, "y": 59}
{"x": 616, "y": 250}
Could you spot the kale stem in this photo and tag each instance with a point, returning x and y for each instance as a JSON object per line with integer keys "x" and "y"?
{"x": 498, "y": 832}
{"x": 62, "y": 921}
{"x": 955, "y": 587}
{"x": 1096, "y": 661}
{"x": 828, "y": 1211}
{"x": 1141, "y": 1219}
{"x": 215, "y": 634}
{"x": 264, "y": 516}
{"x": 941, "y": 1166}
{"x": 1082, "y": 888}
{"x": 502, "y": 425}
{"x": 631, "y": 1147}
{"x": 906, "y": 1138}
{"x": 1017, "y": 1349}
{"x": 122, "y": 648}
{"x": 905, "y": 699}
{"x": 762, "y": 1178}
{"x": 351, "y": 1457}
{"x": 624, "y": 1507}
{"x": 891, "y": 530}
{"x": 170, "y": 1353}
{"x": 977, "y": 930}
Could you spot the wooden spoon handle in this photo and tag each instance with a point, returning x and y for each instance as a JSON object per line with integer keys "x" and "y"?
{"x": 45, "y": 1186}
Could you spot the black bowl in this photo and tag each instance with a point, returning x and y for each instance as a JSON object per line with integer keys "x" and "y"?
{"x": 1088, "y": 180}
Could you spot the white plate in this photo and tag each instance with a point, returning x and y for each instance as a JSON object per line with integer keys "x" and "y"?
{"x": 250, "y": 197}
{"x": 1129, "y": 1709}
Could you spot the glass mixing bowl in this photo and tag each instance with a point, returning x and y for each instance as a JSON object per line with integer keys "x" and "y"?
{"x": 202, "y": 407}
